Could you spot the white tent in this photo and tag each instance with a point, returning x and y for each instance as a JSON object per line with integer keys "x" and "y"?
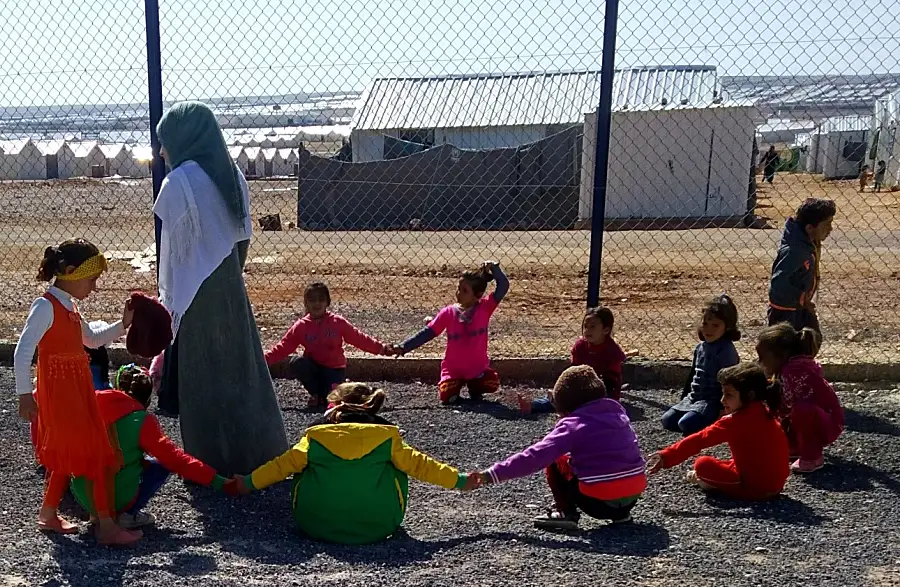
{"x": 139, "y": 160}
{"x": 58, "y": 158}
{"x": 288, "y": 161}
{"x": 118, "y": 159}
{"x": 21, "y": 160}
{"x": 88, "y": 156}
{"x": 255, "y": 162}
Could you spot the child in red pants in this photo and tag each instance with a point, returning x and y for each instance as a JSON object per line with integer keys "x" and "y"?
{"x": 758, "y": 468}
{"x": 811, "y": 413}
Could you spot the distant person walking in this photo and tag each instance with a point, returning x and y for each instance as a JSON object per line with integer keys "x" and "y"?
{"x": 770, "y": 162}
{"x": 214, "y": 375}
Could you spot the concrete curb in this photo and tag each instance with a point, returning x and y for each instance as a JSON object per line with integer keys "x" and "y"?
{"x": 541, "y": 371}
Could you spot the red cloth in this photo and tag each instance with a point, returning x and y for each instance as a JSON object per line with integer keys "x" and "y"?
{"x": 151, "y": 330}
{"x": 759, "y": 449}
{"x": 725, "y": 477}
{"x": 489, "y": 382}
{"x": 810, "y": 429}
{"x": 115, "y": 404}
{"x": 71, "y": 436}
{"x": 606, "y": 359}
{"x": 323, "y": 341}
{"x": 604, "y": 490}
{"x": 812, "y": 414}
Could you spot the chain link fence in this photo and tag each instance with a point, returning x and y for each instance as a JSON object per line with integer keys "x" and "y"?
{"x": 392, "y": 146}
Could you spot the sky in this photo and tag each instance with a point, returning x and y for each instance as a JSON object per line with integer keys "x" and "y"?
{"x": 92, "y": 52}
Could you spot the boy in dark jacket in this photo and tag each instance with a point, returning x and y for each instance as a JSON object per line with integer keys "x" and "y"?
{"x": 795, "y": 272}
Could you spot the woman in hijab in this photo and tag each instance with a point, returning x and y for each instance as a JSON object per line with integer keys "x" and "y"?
{"x": 214, "y": 375}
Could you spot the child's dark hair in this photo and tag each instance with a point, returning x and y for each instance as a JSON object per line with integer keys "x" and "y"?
{"x": 70, "y": 253}
{"x": 752, "y": 385}
{"x": 354, "y": 398}
{"x": 603, "y": 314}
{"x": 783, "y": 342}
{"x": 723, "y": 308}
{"x": 815, "y": 211}
{"x": 479, "y": 280}
{"x": 135, "y": 381}
{"x": 575, "y": 387}
{"x": 320, "y": 288}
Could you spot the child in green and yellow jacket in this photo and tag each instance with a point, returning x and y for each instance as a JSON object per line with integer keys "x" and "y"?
{"x": 350, "y": 470}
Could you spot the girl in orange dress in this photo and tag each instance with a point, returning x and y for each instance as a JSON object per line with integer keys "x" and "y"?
{"x": 71, "y": 436}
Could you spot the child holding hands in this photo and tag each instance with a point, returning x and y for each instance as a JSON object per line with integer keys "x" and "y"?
{"x": 466, "y": 362}
{"x": 350, "y": 471}
{"x": 322, "y": 335}
{"x": 758, "y": 467}
{"x": 591, "y": 458}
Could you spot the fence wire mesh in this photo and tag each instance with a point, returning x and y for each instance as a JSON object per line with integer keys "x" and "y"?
{"x": 391, "y": 146}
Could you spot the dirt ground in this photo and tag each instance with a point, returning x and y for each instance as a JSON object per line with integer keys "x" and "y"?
{"x": 390, "y": 283}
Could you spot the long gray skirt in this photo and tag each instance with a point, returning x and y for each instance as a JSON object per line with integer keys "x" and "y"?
{"x": 230, "y": 418}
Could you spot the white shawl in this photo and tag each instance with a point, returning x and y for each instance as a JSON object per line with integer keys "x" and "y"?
{"x": 198, "y": 233}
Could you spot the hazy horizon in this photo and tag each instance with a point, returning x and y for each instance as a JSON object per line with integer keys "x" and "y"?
{"x": 67, "y": 52}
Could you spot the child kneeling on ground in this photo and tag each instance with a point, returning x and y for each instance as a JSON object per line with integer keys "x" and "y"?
{"x": 758, "y": 468}
{"x": 591, "y": 457}
{"x": 350, "y": 470}
{"x": 148, "y": 455}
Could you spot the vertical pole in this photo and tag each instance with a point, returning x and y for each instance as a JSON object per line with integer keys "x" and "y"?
{"x": 154, "y": 83}
{"x": 601, "y": 153}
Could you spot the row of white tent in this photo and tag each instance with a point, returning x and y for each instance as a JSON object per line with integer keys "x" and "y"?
{"x": 27, "y": 159}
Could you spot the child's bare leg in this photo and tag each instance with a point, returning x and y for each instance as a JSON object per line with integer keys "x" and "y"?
{"x": 48, "y": 517}
{"x": 106, "y": 530}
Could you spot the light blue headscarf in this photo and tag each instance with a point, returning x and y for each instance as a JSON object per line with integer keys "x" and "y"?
{"x": 189, "y": 132}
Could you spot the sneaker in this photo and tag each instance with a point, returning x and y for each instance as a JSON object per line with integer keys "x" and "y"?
{"x": 138, "y": 520}
{"x": 803, "y": 466}
{"x": 555, "y": 520}
{"x": 627, "y": 519}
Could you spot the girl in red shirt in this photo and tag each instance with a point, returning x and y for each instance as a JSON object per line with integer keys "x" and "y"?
{"x": 758, "y": 468}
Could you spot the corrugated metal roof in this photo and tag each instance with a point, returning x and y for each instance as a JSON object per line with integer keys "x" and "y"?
{"x": 845, "y": 123}
{"x": 525, "y": 99}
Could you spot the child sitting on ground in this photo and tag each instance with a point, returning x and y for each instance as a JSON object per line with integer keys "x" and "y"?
{"x": 591, "y": 457}
{"x": 795, "y": 271}
{"x": 147, "y": 454}
{"x": 350, "y": 471}
{"x": 466, "y": 361}
{"x": 812, "y": 415}
{"x": 759, "y": 454}
{"x": 322, "y": 335}
{"x": 596, "y": 349}
{"x": 701, "y": 402}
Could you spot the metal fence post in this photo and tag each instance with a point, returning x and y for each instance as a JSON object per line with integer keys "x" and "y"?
{"x": 601, "y": 153}
{"x": 154, "y": 83}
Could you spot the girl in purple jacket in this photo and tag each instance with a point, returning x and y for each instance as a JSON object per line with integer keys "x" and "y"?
{"x": 591, "y": 457}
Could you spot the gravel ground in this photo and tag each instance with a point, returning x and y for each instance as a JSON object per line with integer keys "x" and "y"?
{"x": 838, "y": 527}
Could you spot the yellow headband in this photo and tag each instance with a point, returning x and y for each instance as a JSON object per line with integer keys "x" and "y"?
{"x": 93, "y": 267}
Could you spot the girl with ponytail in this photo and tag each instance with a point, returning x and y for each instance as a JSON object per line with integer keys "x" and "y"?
{"x": 811, "y": 413}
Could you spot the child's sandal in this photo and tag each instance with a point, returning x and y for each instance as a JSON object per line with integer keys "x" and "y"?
{"x": 556, "y": 520}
